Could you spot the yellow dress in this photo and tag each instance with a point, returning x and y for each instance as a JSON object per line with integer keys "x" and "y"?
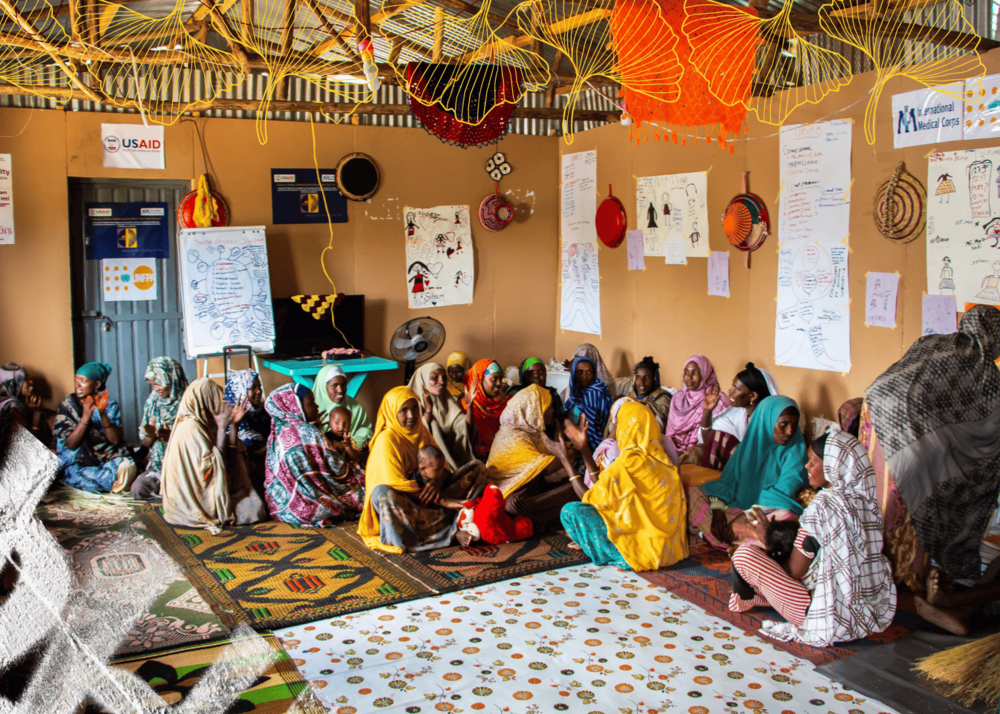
{"x": 518, "y": 454}
{"x": 393, "y": 455}
{"x": 640, "y": 496}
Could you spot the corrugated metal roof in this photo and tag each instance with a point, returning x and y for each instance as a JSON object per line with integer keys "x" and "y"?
{"x": 416, "y": 25}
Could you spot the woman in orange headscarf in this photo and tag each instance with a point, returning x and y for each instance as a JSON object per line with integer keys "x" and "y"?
{"x": 485, "y": 400}
{"x": 408, "y": 502}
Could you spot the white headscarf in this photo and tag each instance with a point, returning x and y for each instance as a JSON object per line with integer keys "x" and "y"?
{"x": 853, "y": 595}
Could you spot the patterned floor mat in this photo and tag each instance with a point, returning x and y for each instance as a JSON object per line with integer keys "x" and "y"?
{"x": 594, "y": 640}
{"x": 174, "y": 672}
{"x": 704, "y": 577}
{"x": 272, "y": 575}
{"x": 106, "y": 543}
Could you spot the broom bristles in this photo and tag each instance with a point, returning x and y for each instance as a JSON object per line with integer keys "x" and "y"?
{"x": 972, "y": 670}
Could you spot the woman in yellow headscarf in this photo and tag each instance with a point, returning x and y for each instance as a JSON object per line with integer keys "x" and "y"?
{"x": 635, "y": 514}
{"x": 409, "y": 495}
{"x": 519, "y": 460}
{"x": 458, "y": 364}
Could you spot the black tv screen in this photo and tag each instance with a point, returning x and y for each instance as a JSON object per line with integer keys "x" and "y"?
{"x": 297, "y": 334}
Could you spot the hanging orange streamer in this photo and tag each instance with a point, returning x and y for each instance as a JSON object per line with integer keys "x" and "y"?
{"x": 697, "y": 106}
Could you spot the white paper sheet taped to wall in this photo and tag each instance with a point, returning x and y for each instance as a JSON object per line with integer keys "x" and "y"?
{"x": 225, "y": 289}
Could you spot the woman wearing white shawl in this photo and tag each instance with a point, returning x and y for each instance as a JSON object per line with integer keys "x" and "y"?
{"x": 849, "y": 584}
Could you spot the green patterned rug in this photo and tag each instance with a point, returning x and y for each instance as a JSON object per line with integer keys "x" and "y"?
{"x": 105, "y": 540}
{"x": 272, "y": 575}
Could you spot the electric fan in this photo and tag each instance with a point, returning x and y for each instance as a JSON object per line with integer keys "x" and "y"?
{"x": 415, "y": 342}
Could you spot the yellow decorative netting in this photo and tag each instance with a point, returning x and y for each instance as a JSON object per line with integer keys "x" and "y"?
{"x": 631, "y": 44}
{"x": 770, "y": 50}
{"x": 898, "y": 50}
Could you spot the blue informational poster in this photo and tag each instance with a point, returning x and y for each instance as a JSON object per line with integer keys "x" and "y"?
{"x": 297, "y": 197}
{"x": 127, "y": 230}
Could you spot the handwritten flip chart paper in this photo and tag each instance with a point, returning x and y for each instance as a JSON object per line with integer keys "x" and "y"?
{"x": 6, "y": 200}
{"x": 440, "y": 266}
{"x": 636, "y": 259}
{"x": 128, "y": 279}
{"x": 225, "y": 289}
{"x": 718, "y": 274}
{"x": 675, "y": 250}
{"x": 673, "y": 206}
{"x": 581, "y": 287}
{"x": 880, "y": 299}
{"x": 939, "y": 315}
{"x": 813, "y": 314}
{"x": 963, "y": 230}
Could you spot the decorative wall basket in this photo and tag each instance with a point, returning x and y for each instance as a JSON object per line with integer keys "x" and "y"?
{"x": 900, "y": 207}
{"x": 495, "y": 212}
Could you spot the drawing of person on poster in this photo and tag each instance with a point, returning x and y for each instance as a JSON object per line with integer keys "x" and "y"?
{"x": 438, "y": 241}
{"x": 947, "y": 276}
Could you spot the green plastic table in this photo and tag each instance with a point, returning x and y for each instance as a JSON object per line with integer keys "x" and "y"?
{"x": 304, "y": 371}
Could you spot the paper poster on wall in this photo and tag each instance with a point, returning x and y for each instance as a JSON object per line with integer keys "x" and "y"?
{"x": 440, "y": 269}
{"x": 297, "y": 197}
{"x": 580, "y": 300}
{"x": 133, "y": 146}
{"x": 813, "y": 314}
{"x": 6, "y": 200}
{"x": 939, "y": 315}
{"x": 225, "y": 289}
{"x": 127, "y": 230}
{"x": 718, "y": 273}
{"x": 927, "y": 116}
{"x": 128, "y": 279}
{"x": 674, "y": 206}
{"x": 636, "y": 259}
{"x": 963, "y": 225}
{"x": 880, "y": 299}
{"x": 982, "y": 118}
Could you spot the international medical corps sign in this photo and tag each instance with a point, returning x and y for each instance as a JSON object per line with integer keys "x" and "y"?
{"x": 927, "y": 116}
{"x": 132, "y": 146}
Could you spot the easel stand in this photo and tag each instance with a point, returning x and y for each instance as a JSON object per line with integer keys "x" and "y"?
{"x": 227, "y": 354}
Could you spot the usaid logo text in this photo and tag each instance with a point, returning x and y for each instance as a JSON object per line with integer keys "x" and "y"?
{"x": 99, "y": 212}
{"x": 284, "y": 178}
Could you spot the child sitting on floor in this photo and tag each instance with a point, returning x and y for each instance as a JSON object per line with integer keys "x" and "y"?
{"x": 430, "y": 469}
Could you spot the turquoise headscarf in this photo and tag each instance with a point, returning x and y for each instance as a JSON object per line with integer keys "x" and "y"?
{"x": 761, "y": 473}
{"x": 97, "y": 371}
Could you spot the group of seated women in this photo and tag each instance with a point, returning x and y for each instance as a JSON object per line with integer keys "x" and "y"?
{"x": 629, "y": 468}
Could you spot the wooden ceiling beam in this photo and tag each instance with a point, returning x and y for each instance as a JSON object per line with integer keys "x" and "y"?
{"x": 333, "y": 31}
{"x": 553, "y": 114}
{"x": 556, "y": 28}
{"x": 808, "y": 24}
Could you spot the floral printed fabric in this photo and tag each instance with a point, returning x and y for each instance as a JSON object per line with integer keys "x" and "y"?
{"x": 590, "y": 639}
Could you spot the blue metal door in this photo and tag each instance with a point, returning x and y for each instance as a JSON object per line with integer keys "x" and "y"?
{"x": 125, "y": 334}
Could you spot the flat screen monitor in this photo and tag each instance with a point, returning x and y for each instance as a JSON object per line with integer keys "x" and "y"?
{"x": 297, "y": 334}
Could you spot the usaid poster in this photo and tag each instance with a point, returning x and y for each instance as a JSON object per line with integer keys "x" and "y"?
{"x": 927, "y": 116}
{"x": 296, "y": 196}
{"x": 133, "y": 146}
{"x": 127, "y": 230}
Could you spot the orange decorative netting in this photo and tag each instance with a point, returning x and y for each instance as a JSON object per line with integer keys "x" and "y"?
{"x": 697, "y": 107}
